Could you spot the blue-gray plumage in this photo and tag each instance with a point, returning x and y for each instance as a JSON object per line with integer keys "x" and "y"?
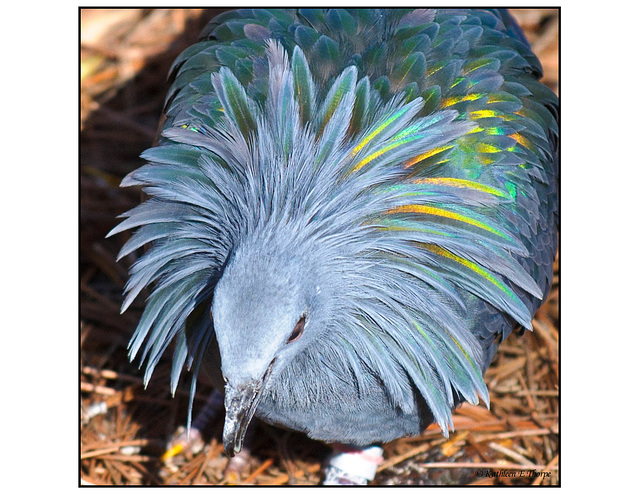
{"x": 348, "y": 211}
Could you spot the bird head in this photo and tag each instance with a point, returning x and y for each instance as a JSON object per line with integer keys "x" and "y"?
{"x": 263, "y": 312}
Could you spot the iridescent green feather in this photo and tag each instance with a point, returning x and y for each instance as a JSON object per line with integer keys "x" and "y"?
{"x": 304, "y": 86}
{"x": 344, "y": 83}
{"x": 233, "y": 98}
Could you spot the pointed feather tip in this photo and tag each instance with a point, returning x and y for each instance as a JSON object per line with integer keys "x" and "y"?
{"x": 147, "y": 376}
{"x": 132, "y": 351}
{"x": 133, "y": 347}
{"x": 129, "y": 179}
{"x": 124, "y": 307}
{"x": 482, "y": 394}
{"x": 113, "y": 231}
{"x": 127, "y": 301}
{"x": 446, "y": 427}
{"x": 537, "y": 291}
{"x": 121, "y": 254}
{"x": 117, "y": 229}
{"x": 485, "y": 398}
{"x": 444, "y": 420}
{"x": 174, "y": 386}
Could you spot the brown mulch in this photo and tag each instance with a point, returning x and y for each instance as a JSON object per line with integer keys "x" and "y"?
{"x": 125, "y": 57}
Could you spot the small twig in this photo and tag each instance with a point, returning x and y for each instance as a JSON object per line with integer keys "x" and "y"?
{"x": 177, "y": 477}
{"x": 93, "y": 450}
{"x": 110, "y": 374}
{"x": 263, "y": 467}
{"x": 407, "y": 455}
{"x": 284, "y": 478}
{"x": 97, "y": 389}
{"x": 128, "y": 458}
{"x": 505, "y": 370}
{"x": 524, "y": 462}
{"x": 525, "y": 392}
{"x": 512, "y": 434}
{"x": 538, "y": 393}
{"x": 214, "y": 451}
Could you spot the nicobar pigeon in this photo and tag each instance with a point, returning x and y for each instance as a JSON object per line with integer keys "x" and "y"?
{"x": 348, "y": 211}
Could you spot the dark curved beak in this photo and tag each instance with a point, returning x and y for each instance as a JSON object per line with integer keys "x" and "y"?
{"x": 240, "y": 403}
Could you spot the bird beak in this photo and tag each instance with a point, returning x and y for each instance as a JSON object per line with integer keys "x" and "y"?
{"x": 240, "y": 403}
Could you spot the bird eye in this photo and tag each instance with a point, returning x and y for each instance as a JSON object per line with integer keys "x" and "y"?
{"x": 297, "y": 330}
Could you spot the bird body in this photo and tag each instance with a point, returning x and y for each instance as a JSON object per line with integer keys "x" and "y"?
{"x": 349, "y": 210}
